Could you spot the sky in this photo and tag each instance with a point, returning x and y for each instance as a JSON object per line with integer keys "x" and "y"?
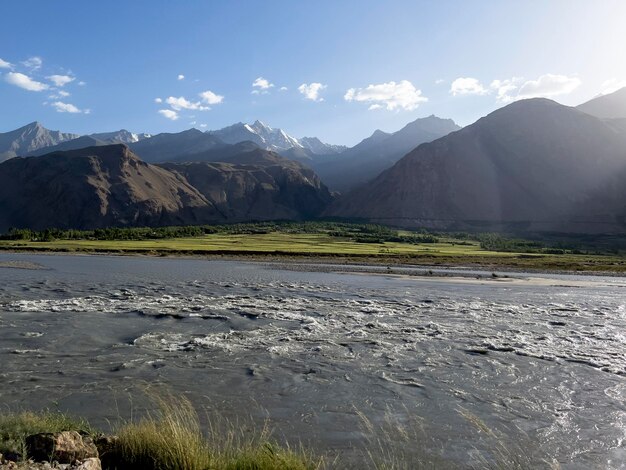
{"x": 334, "y": 69}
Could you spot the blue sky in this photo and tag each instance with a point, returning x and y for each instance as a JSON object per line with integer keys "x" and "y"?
{"x": 334, "y": 69}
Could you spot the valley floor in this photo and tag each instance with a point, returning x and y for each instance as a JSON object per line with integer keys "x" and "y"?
{"x": 326, "y": 248}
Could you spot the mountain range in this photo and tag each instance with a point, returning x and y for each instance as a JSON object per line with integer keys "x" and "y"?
{"x": 269, "y": 138}
{"x": 531, "y": 166}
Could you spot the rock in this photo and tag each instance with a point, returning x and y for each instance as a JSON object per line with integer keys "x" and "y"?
{"x": 89, "y": 464}
{"x": 107, "y": 449}
{"x": 64, "y": 447}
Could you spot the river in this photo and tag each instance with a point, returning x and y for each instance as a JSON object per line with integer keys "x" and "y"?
{"x": 339, "y": 361}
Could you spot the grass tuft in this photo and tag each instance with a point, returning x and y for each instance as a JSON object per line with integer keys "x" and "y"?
{"x": 15, "y": 427}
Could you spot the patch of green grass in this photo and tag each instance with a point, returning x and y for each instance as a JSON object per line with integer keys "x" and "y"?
{"x": 446, "y": 252}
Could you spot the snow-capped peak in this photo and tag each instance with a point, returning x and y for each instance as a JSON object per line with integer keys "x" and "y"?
{"x": 268, "y": 138}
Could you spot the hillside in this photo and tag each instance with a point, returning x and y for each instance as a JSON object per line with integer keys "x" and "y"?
{"x": 533, "y": 165}
{"x": 110, "y": 186}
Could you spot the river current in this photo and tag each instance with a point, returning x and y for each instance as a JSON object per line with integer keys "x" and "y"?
{"x": 339, "y": 361}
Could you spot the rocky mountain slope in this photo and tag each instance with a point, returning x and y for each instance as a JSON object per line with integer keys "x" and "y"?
{"x": 29, "y": 138}
{"x": 110, "y": 186}
{"x": 533, "y": 165}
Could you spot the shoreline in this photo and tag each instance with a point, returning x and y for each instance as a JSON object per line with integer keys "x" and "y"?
{"x": 495, "y": 268}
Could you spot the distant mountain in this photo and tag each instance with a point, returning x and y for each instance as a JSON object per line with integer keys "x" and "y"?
{"x": 120, "y": 137}
{"x": 611, "y": 106}
{"x": 28, "y": 139}
{"x": 367, "y": 159}
{"x": 110, "y": 186}
{"x": 269, "y": 138}
{"x": 74, "y": 144}
{"x": 533, "y": 165}
{"x": 318, "y": 147}
{"x": 167, "y": 146}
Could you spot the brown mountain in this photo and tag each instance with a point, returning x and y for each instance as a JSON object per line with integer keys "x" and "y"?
{"x": 110, "y": 186}
{"x": 531, "y": 166}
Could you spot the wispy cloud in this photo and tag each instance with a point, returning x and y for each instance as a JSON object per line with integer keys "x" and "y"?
{"x": 467, "y": 86}
{"x": 59, "y": 94}
{"x": 612, "y": 85}
{"x": 158, "y": 100}
{"x": 33, "y": 63}
{"x": 25, "y": 82}
{"x": 169, "y": 114}
{"x": 311, "y": 91}
{"x": 391, "y": 95}
{"x": 5, "y": 65}
{"x": 68, "y": 108}
{"x": 61, "y": 80}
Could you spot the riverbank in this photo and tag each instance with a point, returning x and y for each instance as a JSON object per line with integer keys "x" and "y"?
{"x": 443, "y": 256}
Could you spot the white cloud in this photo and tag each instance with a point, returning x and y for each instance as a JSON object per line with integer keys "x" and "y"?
{"x": 611, "y": 86}
{"x": 439, "y": 81}
{"x": 5, "y": 65}
{"x": 375, "y": 106}
{"x": 182, "y": 103}
{"x": 467, "y": 86}
{"x": 262, "y": 84}
{"x": 211, "y": 98}
{"x": 60, "y": 80}
{"x": 81, "y": 83}
{"x": 549, "y": 85}
{"x": 169, "y": 114}
{"x": 283, "y": 88}
{"x": 203, "y": 125}
{"x": 158, "y": 100}
{"x": 24, "y": 81}
{"x": 505, "y": 88}
{"x": 546, "y": 86}
{"x": 311, "y": 91}
{"x": 391, "y": 95}
{"x": 67, "y": 108}
{"x": 64, "y": 94}
{"x": 33, "y": 63}
{"x": 180, "y": 77}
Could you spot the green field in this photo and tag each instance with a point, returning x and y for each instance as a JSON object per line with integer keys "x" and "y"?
{"x": 447, "y": 251}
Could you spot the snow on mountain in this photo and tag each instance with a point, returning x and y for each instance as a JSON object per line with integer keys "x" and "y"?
{"x": 316, "y": 146}
{"x": 122, "y": 136}
{"x": 270, "y": 138}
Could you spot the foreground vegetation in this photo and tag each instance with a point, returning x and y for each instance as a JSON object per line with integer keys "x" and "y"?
{"x": 172, "y": 438}
{"x": 345, "y": 242}
{"x": 169, "y": 439}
